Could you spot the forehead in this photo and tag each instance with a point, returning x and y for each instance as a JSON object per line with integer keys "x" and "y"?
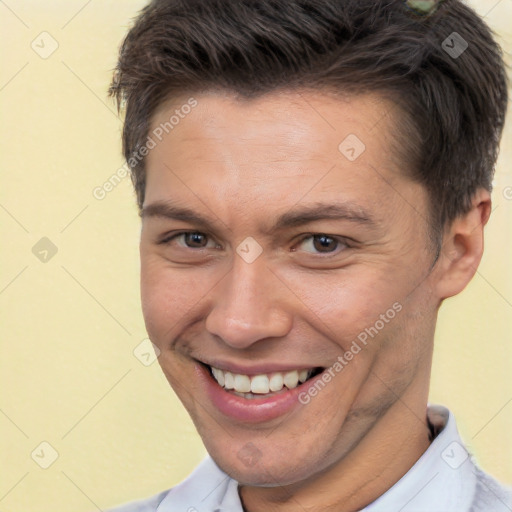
{"x": 240, "y": 155}
{"x": 298, "y": 124}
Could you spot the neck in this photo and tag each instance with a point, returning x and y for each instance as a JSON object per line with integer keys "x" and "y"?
{"x": 392, "y": 446}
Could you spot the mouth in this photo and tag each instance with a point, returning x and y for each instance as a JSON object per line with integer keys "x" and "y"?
{"x": 262, "y": 385}
{"x": 257, "y": 394}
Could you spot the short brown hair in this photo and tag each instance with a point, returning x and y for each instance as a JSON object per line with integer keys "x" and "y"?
{"x": 455, "y": 102}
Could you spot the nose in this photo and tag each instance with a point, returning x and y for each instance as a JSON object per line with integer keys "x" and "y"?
{"x": 248, "y": 306}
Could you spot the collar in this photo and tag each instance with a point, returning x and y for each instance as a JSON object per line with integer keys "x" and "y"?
{"x": 207, "y": 489}
{"x": 443, "y": 478}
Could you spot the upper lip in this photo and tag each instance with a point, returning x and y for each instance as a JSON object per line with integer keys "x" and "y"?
{"x": 257, "y": 369}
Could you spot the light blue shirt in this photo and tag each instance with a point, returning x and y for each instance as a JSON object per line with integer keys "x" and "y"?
{"x": 444, "y": 479}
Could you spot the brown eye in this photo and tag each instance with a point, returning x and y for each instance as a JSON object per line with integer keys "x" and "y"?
{"x": 190, "y": 240}
{"x": 322, "y": 244}
{"x": 195, "y": 240}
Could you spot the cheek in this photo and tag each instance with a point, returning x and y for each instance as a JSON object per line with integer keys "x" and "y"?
{"x": 172, "y": 297}
{"x": 165, "y": 297}
{"x": 347, "y": 304}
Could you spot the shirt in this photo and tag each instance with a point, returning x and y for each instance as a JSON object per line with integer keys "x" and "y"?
{"x": 444, "y": 479}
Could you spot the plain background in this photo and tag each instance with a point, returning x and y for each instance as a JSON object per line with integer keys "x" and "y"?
{"x": 71, "y": 321}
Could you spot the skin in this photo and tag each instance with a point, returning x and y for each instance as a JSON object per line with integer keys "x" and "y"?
{"x": 241, "y": 164}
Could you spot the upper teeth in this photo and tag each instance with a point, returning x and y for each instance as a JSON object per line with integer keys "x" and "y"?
{"x": 260, "y": 384}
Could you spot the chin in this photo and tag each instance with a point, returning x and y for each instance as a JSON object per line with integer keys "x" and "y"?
{"x": 250, "y": 465}
{"x": 262, "y": 475}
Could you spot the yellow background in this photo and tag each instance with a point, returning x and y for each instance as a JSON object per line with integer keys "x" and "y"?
{"x": 69, "y": 326}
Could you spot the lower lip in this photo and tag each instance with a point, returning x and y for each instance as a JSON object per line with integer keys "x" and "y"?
{"x": 257, "y": 410}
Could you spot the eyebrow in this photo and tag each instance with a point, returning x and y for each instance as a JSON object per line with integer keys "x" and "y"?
{"x": 164, "y": 209}
{"x": 347, "y": 211}
{"x": 299, "y": 216}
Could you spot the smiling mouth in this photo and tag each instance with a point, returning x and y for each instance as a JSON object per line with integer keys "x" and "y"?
{"x": 263, "y": 385}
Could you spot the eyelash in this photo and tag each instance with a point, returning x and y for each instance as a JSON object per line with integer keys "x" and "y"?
{"x": 341, "y": 241}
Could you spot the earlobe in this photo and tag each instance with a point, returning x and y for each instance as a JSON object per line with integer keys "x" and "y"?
{"x": 462, "y": 248}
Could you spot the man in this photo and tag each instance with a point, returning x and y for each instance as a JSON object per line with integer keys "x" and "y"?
{"x": 313, "y": 180}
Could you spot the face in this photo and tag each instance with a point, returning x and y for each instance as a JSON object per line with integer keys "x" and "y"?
{"x": 272, "y": 250}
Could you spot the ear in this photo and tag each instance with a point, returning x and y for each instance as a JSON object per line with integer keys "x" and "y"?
{"x": 463, "y": 245}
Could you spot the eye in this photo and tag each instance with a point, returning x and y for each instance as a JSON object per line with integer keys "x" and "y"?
{"x": 191, "y": 240}
{"x": 323, "y": 244}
